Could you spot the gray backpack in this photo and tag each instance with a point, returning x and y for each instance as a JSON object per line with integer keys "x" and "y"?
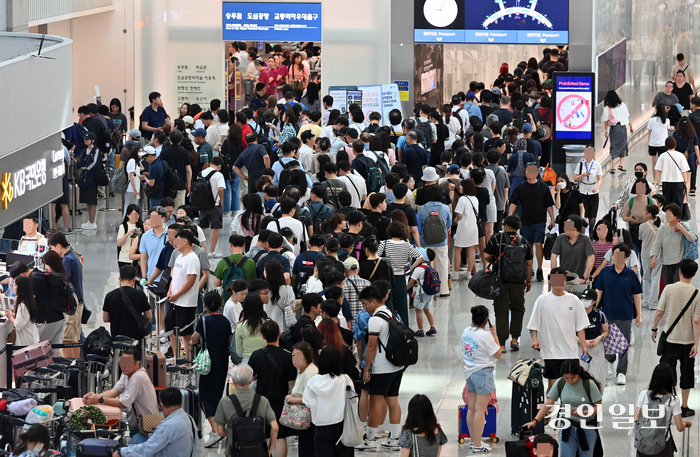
{"x": 434, "y": 230}
{"x": 649, "y": 440}
{"x": 120, "y": 182}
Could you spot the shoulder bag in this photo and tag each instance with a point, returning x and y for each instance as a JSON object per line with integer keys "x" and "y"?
{"x": 479, "y": 224}
{"x": 352, "y": 427}
{"x": 144, "y": 325}
{"x": 685, "y": 215}
{"x": 661, "y": 346}
{"x": 202, "y": 363}
{"x": 147, "y": 423}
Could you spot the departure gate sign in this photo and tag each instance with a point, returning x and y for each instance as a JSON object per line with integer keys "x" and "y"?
{"x": 271, "y": 21}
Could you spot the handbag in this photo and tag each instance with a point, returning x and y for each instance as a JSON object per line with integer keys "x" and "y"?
{"x": 661, "y": 346}
{"x": 479, "y": 224}
{"x": 296, "y": 416}
{"x": 297, "y": 84}
{"x": 203, "y": 360}
{"x": 486, "y": 284}
{"x": 685, "y": 215}
{"x": 144, "y": 327}
{"x": 690, "y": 248}
{"x": 147, "y": 423}
{"x": 615, "y": 343}
{"x": 353, "y": 432}
{"x": 611, "y": 121}
{"x": 289, "y": 318}
{"x": 527, "y": 373}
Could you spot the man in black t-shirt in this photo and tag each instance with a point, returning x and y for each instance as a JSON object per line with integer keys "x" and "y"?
{"x": 430, "y": 177}
{"x": 378, "y": 220}
{"x": 115, "y": 310}
{"x": 179, "y": 159}
{"x": 400, "y": 190}
{"x": 510, "y": 307}
{"x": 536, "y": 200}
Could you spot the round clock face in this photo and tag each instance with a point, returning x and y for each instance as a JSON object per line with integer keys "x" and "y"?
{"x": 440, "y": 13}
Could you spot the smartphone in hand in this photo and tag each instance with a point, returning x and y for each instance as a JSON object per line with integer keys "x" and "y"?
{"x": 586, "y": 357}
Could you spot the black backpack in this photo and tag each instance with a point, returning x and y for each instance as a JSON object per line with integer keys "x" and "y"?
{"x": 382, "y": 163}
{"x": 319, "y": 223}
{"x": 513, "y": 268}
{"x": 98, "y": 343}
{"x": 305, "y": 272}
{"x": 63, "y": 298}
{"x": 426, "y": 130}
{"x": 201, "y": 197}
{"x": 248, "y": 439}
{"x": 101, "y": 176}
{"x": 401, "y": 347}
{"x": 171, "y": 182}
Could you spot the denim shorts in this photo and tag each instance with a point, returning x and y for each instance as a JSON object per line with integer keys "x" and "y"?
{"x": 482, "y": 381}
{"x": 533, "y": 233}
{"x": 422, "y": 300}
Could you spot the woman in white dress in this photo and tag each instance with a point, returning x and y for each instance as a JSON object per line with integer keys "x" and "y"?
{"x": 453, "y": 126}
{"x": 467, "y": 234}
{"x": 281, "y": 295}
{"x": 25, "y": 313}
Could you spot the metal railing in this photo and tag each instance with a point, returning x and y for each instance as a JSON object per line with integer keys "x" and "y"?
{"x": 43, "y": 9}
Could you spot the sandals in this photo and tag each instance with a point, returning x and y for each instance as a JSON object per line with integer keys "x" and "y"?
{"x": 622, "y": 169}
{"x": 612, "y": 171}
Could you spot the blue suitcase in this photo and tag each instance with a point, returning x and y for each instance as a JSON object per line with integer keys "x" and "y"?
{"x": 489, "y": 426}
{"x": 97, "y": 447}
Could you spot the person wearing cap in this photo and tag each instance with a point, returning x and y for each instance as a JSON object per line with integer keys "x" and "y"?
{"x": 353, "y": 286}
{"x": 204, "y": 149}
{"x": 340, "y": 141}
{"x": 153, "y": 116}
{"x": 471, "y": 107}
{"x": 88, "y": 186}
{"x": 596, "y": 332}
{"x": 534, "y": 147}
{"x": 154, "y": 178}
{"x": 189, "y": 123}
{"x": 517, "y": 163}
{"x": 430, "y": 178}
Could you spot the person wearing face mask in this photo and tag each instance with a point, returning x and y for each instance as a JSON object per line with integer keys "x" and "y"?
{"x": 596, "y": 332}
{"x": 633, "y": 212}
{"x": 35, "y": 442}
{"x": 567, "y": 200}
{"x": 628, "y": 190}
{"x": 589, "y": 175}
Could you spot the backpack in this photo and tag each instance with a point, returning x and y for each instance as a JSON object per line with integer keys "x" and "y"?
{"x": 381, "y": 163}
{"x": 98, "y": 343}
{"x": 434, "y": 230}
{"x": 426, "y": 130}
{"x": 401, "y": 347}
{"x": 305, "y": 272}
{"x": 513, "y": 267}
{"x": 431, "y": 280}
{"x": 549, "y": 175}
{"x": 115, "y": 136}
{"x": 120, "y": 182}
{"x": 201, "y": 197}
{"x": 101, "y": 176}
{"x": 375, "y": 179}
{"x": 233, "y": 272}
{"x": 63, "y": 298}
{"x": 372, "y": 128}
{"x": 319, "y": 220}
{"x": 456, "y": 115}
{"x": 172, "y": 181}
{"x": 650, "y": 201}
{"x": 649, "y": 438}
{"x": 248, "y": 439}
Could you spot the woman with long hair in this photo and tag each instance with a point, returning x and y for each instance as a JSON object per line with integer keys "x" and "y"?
{"x": 421, "y": 429}
{"x": 659, "y": 125}
{"x": 602, "y": 240}
{"x": 184, "y": 110}
{"x": 662, "y": 387}
{"x": 248, "y": 336}
{"x": 331, "y": 336}
{"x": 481, "y": 350}
{"x": 386, "y": 148}
{"x": 453, "y": 126}
{"x": 88, "y": 164}
{"x": 231, "y": 148}
{"x": 373, "y": 267}
{"x": 325, "y": 396}
{"x": 130, "y": 229}
{"x": 575, "y": 388}
{"x": 277, "y": 123}
{"x": 399, "y": 216}
{"x": 311, "y": 100}
{"x": 687, "y": 142}
{"x": 52, "y": 262}
{"x": 467, "y": 234}
{"x": 281, "y": 295}
{"x": 298, "y": 75}
{"x": 35, "y": 442}
{"x": 303, "y": 358}
{"x": 194, "y": 157}
{"x": 299, "y": 179}
{"x": 443, "y": 133}
{"x": 567, "y": 200}
{"x": 617, "y": 118}
{"x": 25, "y": 313}
{"x": 249, "y": 223}
{"x": 133, "y": 171}
{"x": 290, "y": 126}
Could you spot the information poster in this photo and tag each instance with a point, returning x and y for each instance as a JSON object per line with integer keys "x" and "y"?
{"x": 403, "y": 90}
{"x": 574, "y": 104}
{"x": 391, "y": 100}
{"x": 371, "y": 100}
{"x": 274, "y": 22}
{"x": 382, "y": 98}
{"x": 339, "y": 99}
{"x": 196, "y": 82}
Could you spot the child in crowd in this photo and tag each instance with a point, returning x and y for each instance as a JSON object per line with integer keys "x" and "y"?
{"x": 270, "y": 197}
{"x": 652, "y": 276}
{"x": 596, "y": 332}
{"x": 233, "y": 309}
{"x": 421, "y": 429}
{"x": 660, "y": 201}
{"x": 421, "y": 300}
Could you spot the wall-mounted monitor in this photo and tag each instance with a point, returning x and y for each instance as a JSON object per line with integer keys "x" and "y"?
{"x": 492, "y": 21}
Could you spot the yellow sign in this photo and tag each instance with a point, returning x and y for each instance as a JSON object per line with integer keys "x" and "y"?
{"x": 6, "y": 189}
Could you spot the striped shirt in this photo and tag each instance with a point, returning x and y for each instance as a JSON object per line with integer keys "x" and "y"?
{"x": 399, "y": 253}
{"x": 600, "y": 249}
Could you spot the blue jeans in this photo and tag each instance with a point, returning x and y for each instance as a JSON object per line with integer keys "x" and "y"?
{"x": 693, "y": 169}
{"x": 153, "y": 202}
{"x": 569, "y": 448}
{"x": 235, "y": 193}
{"x": 112, "y": 158}
{"x": 227, "y": 198}
{"x": 137, "y": 438}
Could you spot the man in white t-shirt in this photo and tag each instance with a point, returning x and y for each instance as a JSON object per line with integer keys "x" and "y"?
{"x": 357, "y": 187}
{"x": 183, "y": 293}
{"x": 674, "y": 174}
{"x": 32, "y": 239}
{"x": 214, "y": 217}
{"x": 589, "y": 175}
{"x": 385, "y": 378}
{"x": 288, "y": 207}
{"x": 306, "y": 151}
{"x": 558, "y": 319}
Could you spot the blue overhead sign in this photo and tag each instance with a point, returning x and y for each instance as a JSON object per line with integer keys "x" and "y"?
{"x": 272, "y": 21}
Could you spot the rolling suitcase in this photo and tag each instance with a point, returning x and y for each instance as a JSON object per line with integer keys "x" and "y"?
{"x": 155, "y": 367}
{"x": 97, "y": 447}
{"x": 489, "y": 425}
{"x": 75, "y": 375}
{"x": 32, "y": 357}
{"x": 191, "y": 405}
{"x": 524, "y": 407}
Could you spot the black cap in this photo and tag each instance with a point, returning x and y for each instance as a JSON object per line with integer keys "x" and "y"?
{"x": 589, "y": 294}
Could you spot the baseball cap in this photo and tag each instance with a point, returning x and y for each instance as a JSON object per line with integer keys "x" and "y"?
{"x": 188, "y": 120}
{"x": 456, "y": 100}
{"x": 90, "y": 136}
{"x": 454, "y": 168}
{"x": 148, "y": 150}
{"x": 470, "y": 95}
{"x": 351, "y": 263}
{"x": 527, "y": 128}
{"x": 200, "y": 132}
{"x": 134, "y": 133}
{"x": 344, "y": 198}
{"x": 496, "y": 91}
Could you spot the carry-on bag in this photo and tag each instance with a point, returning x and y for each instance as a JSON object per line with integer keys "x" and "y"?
{"x": 32, "y": 357}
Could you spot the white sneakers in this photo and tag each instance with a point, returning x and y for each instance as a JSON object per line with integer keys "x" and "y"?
{"x": 88, "y": 226}
{"x": 366, "y": 446}
{"x": 621, "y": 379}
{"x": 213, "y": 439}
{"x": 391, "y": 444}
{"x": 214, "y": 255}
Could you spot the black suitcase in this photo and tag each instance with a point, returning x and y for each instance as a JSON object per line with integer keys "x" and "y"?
{"x": 524, "y": 408}
{"x": 97, "y": 447}
{"x": 192, "y": 406}
{"x": 75, "y": 376}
